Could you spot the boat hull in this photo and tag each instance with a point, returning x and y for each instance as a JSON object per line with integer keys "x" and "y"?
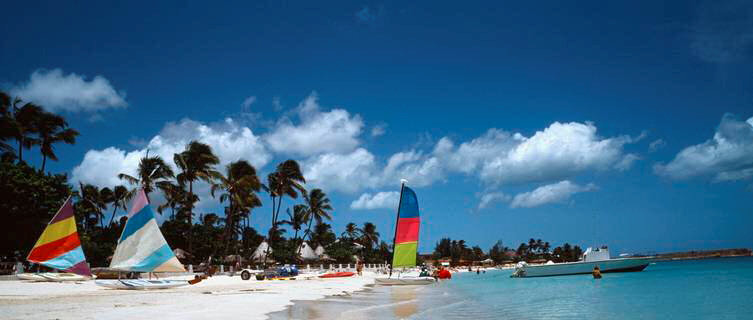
{"x": 407, "y": 281}
{"x": 573, "y": 268}
{"x": 51, "y": 277}
{"x": 337, "y": 275}
{"x": 141, "y": 284}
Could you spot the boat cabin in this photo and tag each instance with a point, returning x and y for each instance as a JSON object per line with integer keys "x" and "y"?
{"x": 598, "y": 254}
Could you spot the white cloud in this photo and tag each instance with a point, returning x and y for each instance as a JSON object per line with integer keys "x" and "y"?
{"x": 378, "y": 130}
{"x": 656, "y": 145}
{"x": 560, "y": 151}
{"x": 246, "y": 104}
{"x": 229, "y": 141}
{"x": 492, "y": 197}
{"x": 349, "y": 172}
{"x": 317, "y": 131}
{"x": 627, "y": 162}
{"x": 727, "y": 156}
{"x": 381, "y": 200}
{"x": 58, "y": 92}
{"x": 550, "y": 193}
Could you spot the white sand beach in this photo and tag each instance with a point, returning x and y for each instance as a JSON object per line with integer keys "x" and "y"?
{"x": 217, "y": 297}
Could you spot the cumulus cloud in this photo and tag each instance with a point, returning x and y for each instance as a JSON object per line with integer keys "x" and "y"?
{"x": 559, "y": 151}
{"x": 316, "y": 131}
{"x": 229, "y": 141}
{"x": 381, "y": 200}
{"x": 491, "y": 197}
{"x": 728, "y": 155}
{"x": 550, "y": 193}
{"x": 58, "y": 92}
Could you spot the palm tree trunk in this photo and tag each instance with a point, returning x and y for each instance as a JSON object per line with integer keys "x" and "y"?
{"x": 44, "y": 161}
{"x": 114, "y": 208}
{"x": 190, "y": 216}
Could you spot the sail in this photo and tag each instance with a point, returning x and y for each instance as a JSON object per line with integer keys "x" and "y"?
{"x": 142, "y": 247}
{"x": 406, "y": 234}
{"x": 59, "y": 246}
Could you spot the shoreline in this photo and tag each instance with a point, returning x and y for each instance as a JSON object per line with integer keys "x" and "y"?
{"x": 220, "y": 296}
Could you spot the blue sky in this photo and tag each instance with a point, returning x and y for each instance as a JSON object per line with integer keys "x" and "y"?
{"x": 620, "y": 123}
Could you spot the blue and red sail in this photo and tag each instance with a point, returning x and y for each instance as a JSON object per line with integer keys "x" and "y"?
{"x": 406, "y": 235}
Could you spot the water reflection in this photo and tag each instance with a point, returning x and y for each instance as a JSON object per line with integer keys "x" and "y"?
{"x": 404, "y": 301}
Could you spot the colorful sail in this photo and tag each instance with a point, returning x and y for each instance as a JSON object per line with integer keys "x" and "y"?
{"x": 59, "y": 246}
{"x": 406, "y": 235}
{"x": 142, "y": 247}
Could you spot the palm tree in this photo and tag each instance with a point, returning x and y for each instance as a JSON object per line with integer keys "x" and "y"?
{"x": 152, "y": 173}
{"x": 174, "y": 197}
{"x": 297, "y": 219}
{"x": 26, "y": 120}
{"x": 94, "y": 200}
{"x": 369, "y": 235}
{"x": 286, "y": 180}
{"x": 118, "y": 198}
{"x": 240, "y": 186}
{"x": 52, "y": 129}
{"x": 7, "y": 130}
{"x": 196, "y": 163}
{"x": 352, "y": 231}
{"x": 317, "y": 209}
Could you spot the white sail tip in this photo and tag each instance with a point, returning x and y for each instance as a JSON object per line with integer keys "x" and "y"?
{"x": 403, "y": 181}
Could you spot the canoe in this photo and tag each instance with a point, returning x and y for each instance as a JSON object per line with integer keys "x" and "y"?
{"x": 337, "y": 275}
{"x": 141, "y": 284}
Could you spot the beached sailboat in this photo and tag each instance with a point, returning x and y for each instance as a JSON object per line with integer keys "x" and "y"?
{"x": 59, "y": 247}
{"x": 405, "y": 243}
{"x": 142, "y": 248}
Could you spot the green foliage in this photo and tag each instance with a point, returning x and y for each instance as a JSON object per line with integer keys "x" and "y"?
{"x": 341, "y": 251}
{"x": 30, "y": 199}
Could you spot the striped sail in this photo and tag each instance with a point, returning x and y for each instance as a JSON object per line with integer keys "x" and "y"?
{"x": 59, "y": 246}
{"x": 406, "y": 234}
{"x": 142, "y": 247}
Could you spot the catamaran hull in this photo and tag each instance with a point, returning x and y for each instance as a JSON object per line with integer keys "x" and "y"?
{"x": 51, "y": 277}
{"x": 573, "y": 268}
{"x": 405, "y": 281}
{"x": 141, "y": 284}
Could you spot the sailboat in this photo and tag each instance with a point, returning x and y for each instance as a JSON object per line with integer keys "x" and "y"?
{"x": 405, "y": 243}
{"x": 59, "y": 247}
{"x": 142, "y": 248}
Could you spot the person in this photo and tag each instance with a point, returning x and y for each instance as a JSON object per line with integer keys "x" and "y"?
{"x": 444, "y": 274}
{"x": 478, "y": 271}
{"x": 424, "y": 272}
{"x": 597, "y": 273}
{"x": 359, "y": 268}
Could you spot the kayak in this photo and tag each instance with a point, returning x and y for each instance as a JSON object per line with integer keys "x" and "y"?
{"x": 337, "y": 275}
{"x": 141, "y": 284}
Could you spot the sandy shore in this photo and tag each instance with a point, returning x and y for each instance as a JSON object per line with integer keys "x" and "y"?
{"x": 218, "y": 297}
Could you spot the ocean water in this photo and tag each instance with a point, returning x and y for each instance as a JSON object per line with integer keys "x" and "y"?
{"x": 693, "y": 289}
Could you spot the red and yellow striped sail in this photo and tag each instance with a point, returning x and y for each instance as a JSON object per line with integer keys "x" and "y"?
{"x": 406, "y": 233}
{"x": 59, "y": 246}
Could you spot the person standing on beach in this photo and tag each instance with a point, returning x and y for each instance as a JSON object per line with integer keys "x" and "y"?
{"x": 359, "y": 268}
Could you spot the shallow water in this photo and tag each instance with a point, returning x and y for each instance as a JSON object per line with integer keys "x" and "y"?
{"x": 695, "y": 289}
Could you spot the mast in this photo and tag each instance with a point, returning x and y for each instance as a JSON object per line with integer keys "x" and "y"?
{"x": 397, "y": 220}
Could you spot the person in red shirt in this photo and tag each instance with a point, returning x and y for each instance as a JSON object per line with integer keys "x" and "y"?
{"x": 444, "y": 274}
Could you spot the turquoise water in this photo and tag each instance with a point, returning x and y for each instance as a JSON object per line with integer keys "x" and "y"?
{"x": 695, "y": 289}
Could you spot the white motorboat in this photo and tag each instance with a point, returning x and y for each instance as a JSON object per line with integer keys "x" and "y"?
{"x": 590, "y": 259}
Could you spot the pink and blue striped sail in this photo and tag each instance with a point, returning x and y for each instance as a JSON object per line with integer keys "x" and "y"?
{"x": 142, "y": 247}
